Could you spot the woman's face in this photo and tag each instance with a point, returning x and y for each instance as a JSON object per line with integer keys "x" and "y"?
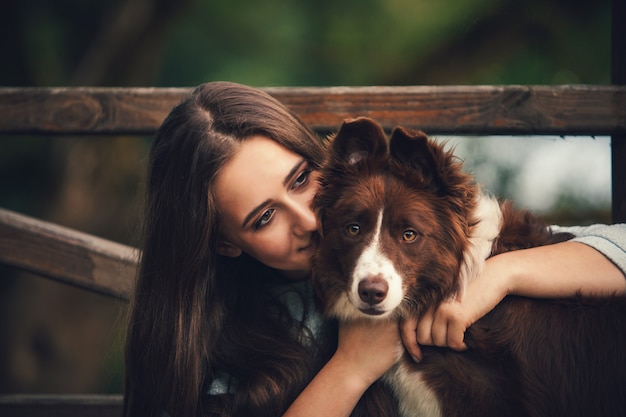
{"x": 264, "y": 195}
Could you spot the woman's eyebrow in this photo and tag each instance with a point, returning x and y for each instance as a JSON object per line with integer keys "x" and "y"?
{"x": 286, "y": 181}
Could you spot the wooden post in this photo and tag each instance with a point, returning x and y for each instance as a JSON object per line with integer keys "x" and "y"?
{"x": 618, "y": 142}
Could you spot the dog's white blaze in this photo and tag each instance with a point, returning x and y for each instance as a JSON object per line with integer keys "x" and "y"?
{"x": 415, "y": 398}
{"x": 373, "y": 262}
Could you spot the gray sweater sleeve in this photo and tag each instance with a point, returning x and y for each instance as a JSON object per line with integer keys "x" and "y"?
{"x": 610, "y": 240}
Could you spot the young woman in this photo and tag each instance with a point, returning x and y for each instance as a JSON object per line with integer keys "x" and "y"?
{"x": 223, "y": 321}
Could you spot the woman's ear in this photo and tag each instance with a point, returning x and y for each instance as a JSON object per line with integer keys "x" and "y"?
{"x": 227, "y": 249}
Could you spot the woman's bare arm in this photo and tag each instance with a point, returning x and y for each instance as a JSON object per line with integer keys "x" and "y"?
{"x": 570, "y": 267}
{"x": 366, "y": 350}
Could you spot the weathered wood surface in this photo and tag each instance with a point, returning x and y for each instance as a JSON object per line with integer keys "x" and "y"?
{"x": 559, "y": 110}
{"x": 61, "y": 405}
{"x": 67, "y": 255}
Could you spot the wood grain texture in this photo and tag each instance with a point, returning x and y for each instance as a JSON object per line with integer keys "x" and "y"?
{"x": 493, "y": 110}
{"x": 67, "y": 255}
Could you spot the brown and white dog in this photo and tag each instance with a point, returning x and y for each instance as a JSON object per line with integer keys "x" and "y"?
{"x": 404, "y": 228}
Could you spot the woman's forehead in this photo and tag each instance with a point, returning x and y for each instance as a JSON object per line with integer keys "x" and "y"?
{"x": 255, "y": 174}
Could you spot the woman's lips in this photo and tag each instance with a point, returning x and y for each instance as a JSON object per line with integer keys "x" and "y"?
{"x": 306, "y": 248}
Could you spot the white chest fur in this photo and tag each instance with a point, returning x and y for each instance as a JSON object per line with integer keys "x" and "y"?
{"x": 415, "y": 398}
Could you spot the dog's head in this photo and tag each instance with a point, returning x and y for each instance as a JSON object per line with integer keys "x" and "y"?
{"x": 395, "y": 222}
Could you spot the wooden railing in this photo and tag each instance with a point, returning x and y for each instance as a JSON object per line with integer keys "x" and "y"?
{"x": 107, "y": 267}
{"x": 67, "y": 255}
{"x": 494, "y": 110}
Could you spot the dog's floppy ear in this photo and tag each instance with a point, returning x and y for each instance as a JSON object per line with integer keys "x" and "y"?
{"x": 357, "y": 140}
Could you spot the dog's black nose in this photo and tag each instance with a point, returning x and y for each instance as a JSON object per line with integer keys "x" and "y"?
{"x": 373, "y": 290}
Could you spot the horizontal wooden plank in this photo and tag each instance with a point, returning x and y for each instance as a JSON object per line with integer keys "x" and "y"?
{"x": 85, "y": 110}
{"x": 560, "y": 110}
{"x": 49, "y": 405}
{"x": 67, "y": 255}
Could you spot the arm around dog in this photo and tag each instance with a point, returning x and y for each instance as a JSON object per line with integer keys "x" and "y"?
{"x": 592, "y": 264}
{"x": 365, "y": 352}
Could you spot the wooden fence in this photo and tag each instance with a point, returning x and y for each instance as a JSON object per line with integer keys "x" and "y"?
{"x": 106, "y": 267}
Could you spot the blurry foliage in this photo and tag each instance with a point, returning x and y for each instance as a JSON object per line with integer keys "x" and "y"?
{"x": 92, "y": 183}
{"x": 398, "y": 42}
{"x": 309, "y": 42}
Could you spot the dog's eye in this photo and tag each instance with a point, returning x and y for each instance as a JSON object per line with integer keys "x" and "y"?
{"x": 353, "y": 229}
{"x": 409, "y": 235}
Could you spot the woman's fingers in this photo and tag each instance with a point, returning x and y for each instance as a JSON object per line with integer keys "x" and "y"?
{"x": 443, "y": 327}
{"x": 425, "y": 328}
{"x": 408, "y": 332}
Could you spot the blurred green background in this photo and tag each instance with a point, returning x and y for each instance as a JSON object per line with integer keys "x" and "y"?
{"x": 59, "y": 339}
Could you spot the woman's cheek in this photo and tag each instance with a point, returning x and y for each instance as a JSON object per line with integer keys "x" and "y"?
{"x": 272, "y": 248}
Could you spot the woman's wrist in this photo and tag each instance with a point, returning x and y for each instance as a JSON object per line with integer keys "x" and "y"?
{"x": 510, "y": 272}
{"x": 501, "y": 275}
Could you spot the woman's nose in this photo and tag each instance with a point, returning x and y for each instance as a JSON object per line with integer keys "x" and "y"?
{"x": 305, "y": 220}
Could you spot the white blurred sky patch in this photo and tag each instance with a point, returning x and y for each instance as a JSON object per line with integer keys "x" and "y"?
{"x": 549, "y": 166}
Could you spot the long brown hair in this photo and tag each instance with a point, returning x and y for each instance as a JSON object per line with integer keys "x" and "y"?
{"x": 194, "y": 312}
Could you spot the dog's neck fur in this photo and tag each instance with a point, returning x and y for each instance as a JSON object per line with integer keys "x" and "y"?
{"x": 485, "y": 228}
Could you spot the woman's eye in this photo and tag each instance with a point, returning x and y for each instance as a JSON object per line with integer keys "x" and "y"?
{"x": 409, "y": 235}
{"x": 353, "y": 229}
{"x": 302, "y": 178}
{"x": 265, "y": 218}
